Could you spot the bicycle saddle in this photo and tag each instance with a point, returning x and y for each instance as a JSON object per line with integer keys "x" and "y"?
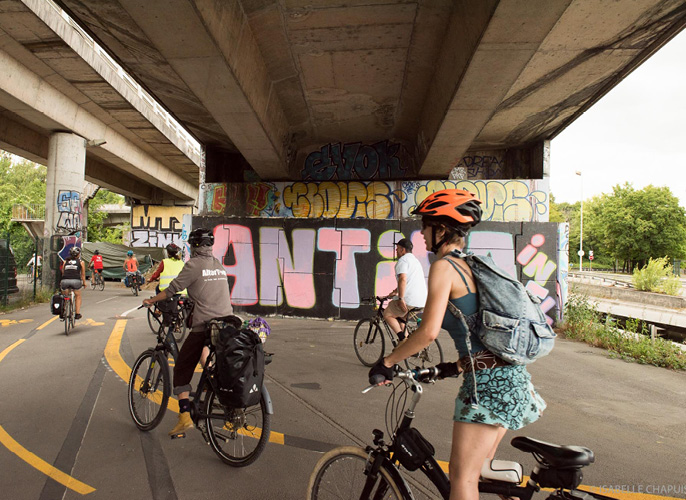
{"x": 555, "y": 455}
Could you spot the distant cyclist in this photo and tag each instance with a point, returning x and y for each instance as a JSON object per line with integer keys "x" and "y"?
{"x": 74, "y": 276}
{"x": 205, "y": 278}
{"x": 130, "y": 265}
{"x": 96, "y": 265}
{"x": 169, "y": 268}
{"x": 32, "y": 262}
{"x": 411, "y": 290}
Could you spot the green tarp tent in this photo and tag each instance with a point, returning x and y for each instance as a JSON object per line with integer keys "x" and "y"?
{"x": 113, "y": 256}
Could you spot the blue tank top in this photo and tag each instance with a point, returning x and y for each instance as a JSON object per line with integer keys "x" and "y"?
{"x": 469, "y": 305}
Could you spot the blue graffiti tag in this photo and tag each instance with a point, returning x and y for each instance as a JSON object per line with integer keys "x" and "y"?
{"x": 354, "y": 161}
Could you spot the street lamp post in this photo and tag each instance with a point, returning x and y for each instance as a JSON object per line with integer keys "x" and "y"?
{"x": 581, "y": 225}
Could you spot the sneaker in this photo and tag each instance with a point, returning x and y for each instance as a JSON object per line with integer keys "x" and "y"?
{"x": 77, "y": 316}
{"x": 183, "y": 424}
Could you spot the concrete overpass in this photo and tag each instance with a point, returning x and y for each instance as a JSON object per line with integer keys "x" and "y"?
{"x": 55, "y": 80}
{"x": 266, "y": 84}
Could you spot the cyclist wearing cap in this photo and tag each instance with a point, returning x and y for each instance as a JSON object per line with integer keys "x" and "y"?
{"x": 205, "y": 279}
{"x": 411, "y": 290}
{"x": 96, "y": 264}
{"x": 169, "y": 268}
{"x": 495, "y": 396}
{"x": 74, "y": 276}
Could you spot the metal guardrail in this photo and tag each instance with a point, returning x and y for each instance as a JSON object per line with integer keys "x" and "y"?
{"x": 602, "y": 280}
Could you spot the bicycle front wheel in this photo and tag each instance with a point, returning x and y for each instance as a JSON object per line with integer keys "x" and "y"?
{"x": 237, "y": 435}
{"x": 149, "y": 389}
{"x": 339, "y": 474}
{"x": 429, "y": 356}
{"x": 369, "y": 342}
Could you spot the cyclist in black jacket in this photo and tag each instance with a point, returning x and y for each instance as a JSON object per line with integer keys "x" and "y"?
{"x": 74, "y": 276}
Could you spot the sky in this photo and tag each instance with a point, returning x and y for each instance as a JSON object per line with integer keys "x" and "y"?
{"x": 636, "y": 133}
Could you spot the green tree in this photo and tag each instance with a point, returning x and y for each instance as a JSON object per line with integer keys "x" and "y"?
{"x": 20, "y": 183}
{"x": 96, "y": 230}
{"x": 632, "y": 226}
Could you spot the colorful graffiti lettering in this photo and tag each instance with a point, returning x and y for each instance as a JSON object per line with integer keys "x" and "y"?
{"x": 69, "y": 211}
{"x": 317, "y": 270}
{"x": 537, "y": 265}
{"x": 336, "y": 161}
{"x": 345, "y": 200}
{"x": 505, "y": 201}
{"x": 157, "y": 226}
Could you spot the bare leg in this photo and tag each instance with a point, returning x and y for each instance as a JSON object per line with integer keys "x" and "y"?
{"x": 471, "y": 445}
{"x": 77, "y": 300}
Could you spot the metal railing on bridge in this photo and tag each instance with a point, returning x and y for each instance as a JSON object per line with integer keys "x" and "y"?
{"x": 28, "y": 212}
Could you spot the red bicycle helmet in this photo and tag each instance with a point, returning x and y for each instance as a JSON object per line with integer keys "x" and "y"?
{"x": 459, "y": 206}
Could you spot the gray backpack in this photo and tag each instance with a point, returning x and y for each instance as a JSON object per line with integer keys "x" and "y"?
{"x": 511, "y": 323}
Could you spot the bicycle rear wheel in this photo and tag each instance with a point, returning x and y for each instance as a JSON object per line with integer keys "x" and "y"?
{"x": 340, "y": 474}
{"x": 154, "y": 318}
{"x": 237, "y": 435}
{"x": 67, "y": 316}
{"x": 149, "y": 389}
{"x": 101, "y": 282}
{"x": 134, "y": 287}
{"x": 369, "y": 342}
{"x": 429, "y": 356}
{"x": 93, "y": 282}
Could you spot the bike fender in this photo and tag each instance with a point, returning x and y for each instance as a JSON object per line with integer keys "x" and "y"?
{"x": 267, "y": 400}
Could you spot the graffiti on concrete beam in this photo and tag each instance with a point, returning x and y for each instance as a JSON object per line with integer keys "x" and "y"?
{"x": 354, "y": 161}
{"x": 157, "y": 226}
{"x": 68, "y": 211}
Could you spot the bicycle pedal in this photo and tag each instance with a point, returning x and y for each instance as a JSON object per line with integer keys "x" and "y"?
{"x": 180, "y": 435}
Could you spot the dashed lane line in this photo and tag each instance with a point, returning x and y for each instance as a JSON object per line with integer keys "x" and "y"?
{"x": 32, "y": 459}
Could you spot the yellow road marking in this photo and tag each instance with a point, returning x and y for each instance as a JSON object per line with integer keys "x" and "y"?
{"x": 6, "y": 351}
{"x": 43, "y": 466}
{"x": 35, "y": 461}
{"x": 47, "y": 322}
{"x": 123, "y": 370}
{"x": 8, "y": 322}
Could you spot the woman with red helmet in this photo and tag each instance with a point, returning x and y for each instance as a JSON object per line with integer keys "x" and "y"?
{"x": 495, "y": 396}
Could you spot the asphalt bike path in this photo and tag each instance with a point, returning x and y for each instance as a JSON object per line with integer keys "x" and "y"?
{"x": 65, "y": 431}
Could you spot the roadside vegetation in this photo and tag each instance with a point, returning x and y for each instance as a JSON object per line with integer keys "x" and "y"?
{"x": 657, "y": 276}
{"x": 584, "y": 323}
{"x": 26, "y": 299}
{"x": 625, "y": 228}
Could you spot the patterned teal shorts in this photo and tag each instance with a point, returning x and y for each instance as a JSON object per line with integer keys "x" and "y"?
{"x": 507, "y": 398}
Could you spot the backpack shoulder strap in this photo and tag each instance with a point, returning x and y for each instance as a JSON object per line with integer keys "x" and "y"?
{"x": 459, "y": 271}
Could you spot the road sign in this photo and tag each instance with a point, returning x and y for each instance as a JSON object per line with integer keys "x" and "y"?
{"x": 590, "y": 257}
{"x": 580, "y": 253}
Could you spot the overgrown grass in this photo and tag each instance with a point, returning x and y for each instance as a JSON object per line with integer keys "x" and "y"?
{"x": 583, "y": 322}
{"x": 26, "y": 299}
{"x": 657, "y": 276}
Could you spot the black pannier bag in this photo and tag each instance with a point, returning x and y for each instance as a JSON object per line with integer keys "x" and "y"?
{"x": 240, "y": 365}
{"x": 57, "y": 304}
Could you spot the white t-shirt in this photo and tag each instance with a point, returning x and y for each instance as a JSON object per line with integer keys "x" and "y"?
{"x": 415, "y": 284}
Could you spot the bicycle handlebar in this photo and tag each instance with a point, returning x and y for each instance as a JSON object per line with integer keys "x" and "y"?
{"x": 417, "y": 375}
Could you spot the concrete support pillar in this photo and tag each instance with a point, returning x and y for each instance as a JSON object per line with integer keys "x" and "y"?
{"x": 63, "y": 200}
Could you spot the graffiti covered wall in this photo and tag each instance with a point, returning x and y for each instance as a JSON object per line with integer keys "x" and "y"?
{"x": 503, "y": 200}
{"x": 321, "y": 268}
{"x": 157, "y": 226}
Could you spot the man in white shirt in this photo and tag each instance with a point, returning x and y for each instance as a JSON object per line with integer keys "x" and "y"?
{"x": 411, "y": 290}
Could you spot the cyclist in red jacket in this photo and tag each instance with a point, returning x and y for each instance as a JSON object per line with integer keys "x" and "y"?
{"x": 96, "y": 264}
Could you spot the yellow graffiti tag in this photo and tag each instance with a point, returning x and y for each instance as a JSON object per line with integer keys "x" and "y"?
{"x": 8, "y": 322}
{"x": 345, "y": 200}
{"x": 501, "y": 200}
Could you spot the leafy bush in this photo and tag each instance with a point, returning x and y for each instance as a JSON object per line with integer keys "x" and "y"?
{"x": 657, "y": 276}
{"x": 583, "y": 322}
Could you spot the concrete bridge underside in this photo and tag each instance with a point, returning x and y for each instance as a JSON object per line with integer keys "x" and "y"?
{"x": 264, "y": 82}
{"x": 54, "y": 81}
